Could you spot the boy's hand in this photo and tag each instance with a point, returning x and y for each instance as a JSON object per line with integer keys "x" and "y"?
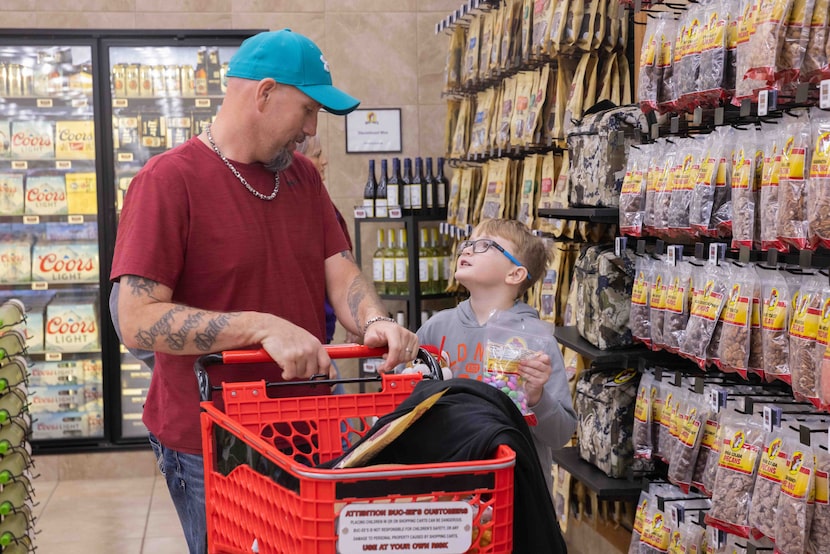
{"x": 536, "y": 370}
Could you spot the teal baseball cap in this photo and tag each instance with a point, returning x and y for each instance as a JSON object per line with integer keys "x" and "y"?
{"x": 291, "y": 59}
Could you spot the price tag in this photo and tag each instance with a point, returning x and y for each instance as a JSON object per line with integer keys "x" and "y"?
{"x": 63, "y": 164}
{"x": 763, "y": 102}
{"x": 125, "y": 156}
{"x": 360, "y": 212}
{"x": 674, "y": 254}
{"x": 20, "y": 164}
{"x": 31, "y": 219}
{"x": 395, "y": 211}
{"x": 203, "y": 102}
{"x": 717, "y": 250}
{"x": 772, "y": 418}
{"x": 40, "y": 285}
{"x": 79, "y": 102}
{"x": 44, "y": 103}
{"x": 824, "y": 94}
{"x": 676, "y": 515}
{"x": 75, "y": 219}
{"x": 120, "y": 103}
{"x": 53, "y": 356}
{"x": 620, "y": 244}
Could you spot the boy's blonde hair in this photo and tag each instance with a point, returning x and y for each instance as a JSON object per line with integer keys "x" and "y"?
{"x": 530, "y": 249}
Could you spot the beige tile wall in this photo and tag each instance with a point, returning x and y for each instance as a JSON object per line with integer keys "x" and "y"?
{"x": 385, "y": 52}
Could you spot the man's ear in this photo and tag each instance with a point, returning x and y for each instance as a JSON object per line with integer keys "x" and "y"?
{"x": 265, "y": 88}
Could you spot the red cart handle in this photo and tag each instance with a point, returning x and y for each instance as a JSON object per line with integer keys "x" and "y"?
{"x": 335, "y": 352}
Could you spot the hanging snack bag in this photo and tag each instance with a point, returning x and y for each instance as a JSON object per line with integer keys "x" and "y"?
{"x": 683, "y": 188}
{"x": 796, "y": 501}
{"x": 818, "y": 188}
{"x": 479, "y": 134}
{"x": 641, "y": 434}
{"x": 733, "y": 355}
{"x": 678, "y": 303}
{"x": 820, "y": 524}
{"x": 662, "y": 192}
{"x": 657, "y": 302}
{"x": 485, "y": 50}
{"x": 822, "y": 340}
{"x": 720, "y": 222}
{"x": 815, "y": 67}
{"x": 707, "y": 303}
{"x": 746, "y": 86}
{"x": 561, "y": 18}
{"x": 766, "y": 38}
{"x": 651, "y": 72}
{"x": 469, "y": 70}
{"x": 755, "y": 363}
{"x": 806, "y": 314}
{"x": 773, "y": 140}
{"x": 703, "y": 185}
{"x": 745, "y": 191}
{"x": 709, "y": 88}
{"x": 793, "y": 41}
{"x": 565, "y": 77}
{"x": 742, "y": 439}
{"x": 792, "y": 187}
{"x": 771, "y": 469}
{"x": 696, "y": 413}
{"x": 703, "y": 477}
{"x": 639, "y": 319}
{"x": 542, "y": 15}
{"x": 461, "y": 135}
{"x": 455, "y": 56}
{"x": 776, "y": 293}
{"x": 633, "y": 192}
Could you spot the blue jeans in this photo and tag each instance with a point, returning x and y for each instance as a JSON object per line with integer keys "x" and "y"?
{"x": 185, "y": 476}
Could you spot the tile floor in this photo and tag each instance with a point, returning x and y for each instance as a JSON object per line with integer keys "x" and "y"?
{"x": 127, "y": 510}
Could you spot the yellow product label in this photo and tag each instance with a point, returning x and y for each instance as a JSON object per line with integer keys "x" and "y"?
{"x": 823, "y": 335}
{"x": 649, "y": 53}
{"x": 665, "y": 413}
{"x": 822, "y": 484}
{"x": 656, "y": 405}
{"x": 736, "y": 309}
{"x": 706, "y": 170}
{"x": 755, "y": 317}
{"x": 773, "y": 463}
{"x": 710, "y": 303}
{"x": 658, "y": 294}
{"x": 81, "y": 193}
{"x": 690, "y": 430}
{"x": 665, "y": 51}
{"x": 632, "y": 182}
{"x": 774, "y": 15}
{"x": 640, "y": 515}
{"x": 805, "y": 320}
{"x": 75, "y": 140}
{"x": 796, "y": 481}
{"x": 737, "y": 455}
{"x": 675, "y": 546}
{"x": 676, "y": 296}
{"x": 639, "y": 291}
{"x": 742, "y": 179}
{"x": 643, "y": 405}
{"x": 710, "y": 434}
{"x": 820, "y": 166}
{"x": 796, "y": 165}
{"x": 720, "y": 179}
{"x": 678, "y": 419}
{"x": 656, "y": 533}
{"x": 774, "y": 316}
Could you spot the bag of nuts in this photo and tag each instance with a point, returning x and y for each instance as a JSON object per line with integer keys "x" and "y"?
{"x": 796, "y": 502}
{"x": 642, "y": 433}
{"x": 819, "y": 541}
{"x": 792, "y": 186}
{"x": 818, "y": 189}
{"x": 703, "y": 186}
{"x": 707, "y": 456}
{"x": 776, "y": 292}
{"x": 771, "y": 469}
{"x": 677, "y": 306}
{"x": 707, "y": 304}
{"x": 639, "y": 316}
{"x": 755, "y": 363}
{"x": 803, "y": 335}
{"x": 657, "y": 302}
{"x": 741, "y": 441}
{"x": 815, "y": 67}
{"x": 745, "y": 187}
{"x": 733, "y": 354}
{"x": 633, "y": 192}
{"x": 696, "y": 413}
{"x": 773, "y": 141}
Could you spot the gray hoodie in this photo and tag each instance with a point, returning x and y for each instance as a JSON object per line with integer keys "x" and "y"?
{"x": 466, "y": 341}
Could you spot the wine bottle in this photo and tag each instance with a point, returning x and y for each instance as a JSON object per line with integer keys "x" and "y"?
{"x": 442, "y": 185}
{"x": 369, "y": 191}
{"x": 417, "y": 200}
{"x": 407, "y": 184}
{"x": 381, "y": 194}
{"x": 402, "y": 264}
{"x": 394, "y": 188}
{"x": 432, "y": 188}
{"x": 438, "y": 284}
{"x": 425, "y": 263}
{"x": 389, "y": 263}
{"x": 378, "y": 260}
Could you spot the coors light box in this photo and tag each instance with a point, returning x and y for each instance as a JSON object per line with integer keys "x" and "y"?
{"x": 71, "y": 324}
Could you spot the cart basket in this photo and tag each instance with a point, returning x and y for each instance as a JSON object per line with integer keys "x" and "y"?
{"x": 265, "y": 494}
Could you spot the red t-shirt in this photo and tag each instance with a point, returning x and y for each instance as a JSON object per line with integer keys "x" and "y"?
{"x": 191, "y": 225}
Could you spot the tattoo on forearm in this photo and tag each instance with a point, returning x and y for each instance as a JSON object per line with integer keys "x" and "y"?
{"x": 177, "y": 340}
{"x": 139, "y": 286}
{"x": 358, "y": 291}
{"x": 205, "y": 340}
{"x": 146, "y": 338}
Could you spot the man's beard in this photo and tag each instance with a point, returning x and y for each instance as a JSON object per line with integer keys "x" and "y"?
{"x": 281, "y": 161}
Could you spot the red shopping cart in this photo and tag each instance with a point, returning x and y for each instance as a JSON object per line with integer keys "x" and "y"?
{"x": 265, "y": 494}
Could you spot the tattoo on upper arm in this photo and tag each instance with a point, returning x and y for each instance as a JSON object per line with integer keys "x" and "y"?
{"x": 347, "y": 254}
{"x": 139, "y": 286}
{"x": 146, "y": 338}
{"x": 205, "y": 339}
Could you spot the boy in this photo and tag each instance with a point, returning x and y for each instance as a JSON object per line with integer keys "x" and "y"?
{"x": 497, "y": 265}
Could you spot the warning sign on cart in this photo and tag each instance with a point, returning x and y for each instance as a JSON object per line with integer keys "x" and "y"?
{"x": 432, "y": 527}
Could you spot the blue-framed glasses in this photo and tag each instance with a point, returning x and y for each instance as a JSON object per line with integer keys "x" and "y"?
{"x": 480, "y": 246}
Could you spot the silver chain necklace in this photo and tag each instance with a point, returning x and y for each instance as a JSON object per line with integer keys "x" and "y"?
{"x": 239, "y": 176}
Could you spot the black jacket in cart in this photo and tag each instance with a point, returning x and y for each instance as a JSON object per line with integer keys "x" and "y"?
{"x": 468, "y": 423}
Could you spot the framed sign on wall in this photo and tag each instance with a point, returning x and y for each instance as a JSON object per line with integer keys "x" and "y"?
{"x": 373, "y": 130}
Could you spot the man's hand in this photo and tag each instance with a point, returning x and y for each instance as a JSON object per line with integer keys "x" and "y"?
{"x": 296, "y": 351}
{"x": 401, "y": 342}
{"x": 536, "y": 370}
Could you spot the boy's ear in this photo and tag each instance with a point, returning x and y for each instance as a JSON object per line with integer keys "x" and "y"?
{"x": 517, "y": 275}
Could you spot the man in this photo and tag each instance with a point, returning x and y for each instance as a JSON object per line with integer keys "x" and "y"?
{"x": 224, "y": 243}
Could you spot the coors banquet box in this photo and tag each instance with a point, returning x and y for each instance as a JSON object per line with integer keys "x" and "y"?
{"x": 33, "y": 140}
{"x": 11, "y": 193}
{"x": 65, "y": 262}
{"x": 72, "y": 324}
{"x": 75, "y": 140}
{"x": 46, "y": 195}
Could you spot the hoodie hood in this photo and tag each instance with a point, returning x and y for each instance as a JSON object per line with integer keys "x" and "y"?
{"x": 519, "y": 310}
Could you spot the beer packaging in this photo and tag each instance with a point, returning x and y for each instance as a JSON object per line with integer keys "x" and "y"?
{"x": 11, "y": 193}
{"x": 54, "y": 374}
{"x": 81, "y": 193}
{"x": 60, "y": 425}
{"x": 63, "y": 262}
{"x": 55, "y": 398}
{"x": 72, "y": 325}
{"x": 33, "y": 140}
{"x": 46, "y": 195}
{"x": 126, "y": 136}
{"x": 32, "y": 328}
{"x": 15, "y": 260}
{"x": 178, "y": 131}
{"x": 5, "y": 139}
{"x": 75, "y": 140}
{"x": 153, "y": 130}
